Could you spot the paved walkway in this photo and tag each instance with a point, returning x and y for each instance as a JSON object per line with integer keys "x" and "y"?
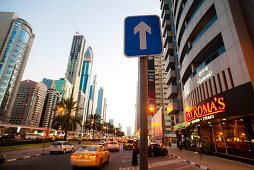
{"x": 211, "y": 162}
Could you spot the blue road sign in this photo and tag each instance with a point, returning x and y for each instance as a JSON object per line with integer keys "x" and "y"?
{"x": 142, "y": 36}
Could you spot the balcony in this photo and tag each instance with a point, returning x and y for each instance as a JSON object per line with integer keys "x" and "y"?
{"x": 164, "y": 4}
{"x": 171, "y": 91}
{"x": 168, "y": 38}
{"x": 171, "y": 76}
{"x": 169, "y": 49}
{"x": 170, "y": 62}
{"x": 166, "y": 27}
{"x": 173, "y": 106}
{"x": 165, "y": 15}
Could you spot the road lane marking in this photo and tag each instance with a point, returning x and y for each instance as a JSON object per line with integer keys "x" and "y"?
{"x": 11, "y": 160}
{"x": 25, "y": 157}
{"x": 182, "y": 167}
{"x": 154, "y": 165}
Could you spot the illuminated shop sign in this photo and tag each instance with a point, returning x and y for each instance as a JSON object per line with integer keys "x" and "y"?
{"x": 205, "y": 111}
{"x": 204, "y": 74}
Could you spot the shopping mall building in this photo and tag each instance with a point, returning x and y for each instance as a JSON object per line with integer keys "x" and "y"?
{"x": 214, "y": 41}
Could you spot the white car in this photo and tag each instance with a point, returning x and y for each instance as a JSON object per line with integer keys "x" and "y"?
{"x": 113, "y": 146}
{"x": 61, "y": 146}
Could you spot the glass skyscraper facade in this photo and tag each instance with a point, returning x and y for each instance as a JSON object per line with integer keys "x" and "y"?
{"x": 16, "y": 38}
{"x": 99, "y": 108}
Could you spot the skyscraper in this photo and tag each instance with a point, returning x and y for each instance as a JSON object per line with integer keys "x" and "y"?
{"x": 104, "y": 115}
{"x": 84, "y": 86}
{"x": 128, "y": 131}
{"x": 92, "y": 96}
{"x": 100, "y": 100}
{"x": 16, "y": 39}
{"x": 29, "y": 103}
{"x": 74, "y": 68}
{"x": 64, "y": 87}
{"x": 48, "y": 113}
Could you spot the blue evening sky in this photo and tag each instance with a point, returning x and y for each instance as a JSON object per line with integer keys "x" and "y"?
{"x": 101, "y": 22}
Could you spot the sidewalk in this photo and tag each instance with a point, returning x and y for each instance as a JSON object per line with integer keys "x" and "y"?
{"x": 211, "y": 162}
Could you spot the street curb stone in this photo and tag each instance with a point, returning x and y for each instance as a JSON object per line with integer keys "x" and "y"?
{"x": 25, "y": 157}
{"x": 190, "y": 162}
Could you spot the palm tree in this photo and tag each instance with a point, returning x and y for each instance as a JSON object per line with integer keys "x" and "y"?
{"x": 94, "y": 120}
{"x": 67, "y": 121}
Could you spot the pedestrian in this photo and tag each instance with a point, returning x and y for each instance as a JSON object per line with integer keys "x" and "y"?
{"x": 135, "y": 154}
{"x": 180, "y": 146}
{"x": 79, "y": 141}
{"x": 169, "y": 143}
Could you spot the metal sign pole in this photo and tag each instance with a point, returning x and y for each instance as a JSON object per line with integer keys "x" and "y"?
{"x": 143, "y": 114}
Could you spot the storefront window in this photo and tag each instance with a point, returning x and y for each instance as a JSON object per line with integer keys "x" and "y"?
{"x": 207, "y": 138}
{"x": 218, "y": 135}
{"x": 237, "y": 140}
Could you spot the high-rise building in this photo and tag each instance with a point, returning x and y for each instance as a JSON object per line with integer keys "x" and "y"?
{"x": 137, "y": 113}
{"x": 16, "y": 39}
{"x": 92, "y": 96}
{"x": 85, "y": 82}
{"x": 29, "y": 103}
{"x": 81, "y": 108}
{"x": 215, "y": 40}
{"x": 100, "y": 99}
{"x": 74, "y": 68}
{"x": 172, "y": 79}
{"x": 129, "y": 131}
{"x": 120, "y": 127}
{"x": 104, "y": 115}
{"x": 49, "y": 109}
{"x": 64, "y": 87}
{"x": 49, "y": 83}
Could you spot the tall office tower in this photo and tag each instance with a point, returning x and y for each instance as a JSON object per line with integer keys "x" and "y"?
{"x": 49, "y": 109}
{"x": 85, "y": 81}
{"x": 120, "y": 127}
{"x": 128, "y": 131}
{"x": 16, "y": 39}
{"x": 49, "y": 83}
{"x": 162, "y": 100}
{"x": 105, "y": 106}
{"x": 92, "y": 96}
{"x": 64, "y": 87}
{"x": 81, "y": 108}
{"x": 29, "y": 103}
{"x": 99, "y": 109}
{"x": 73, "y": 73}
{"x": 215, "y": 42}
{"x": 173, "y": 92}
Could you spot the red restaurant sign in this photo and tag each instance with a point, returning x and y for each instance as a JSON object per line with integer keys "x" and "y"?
{"x": 217, "y": 105}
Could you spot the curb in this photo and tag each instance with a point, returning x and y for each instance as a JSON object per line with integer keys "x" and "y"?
{"x": 190, "y": 162}
{"x": 25, "y": 157}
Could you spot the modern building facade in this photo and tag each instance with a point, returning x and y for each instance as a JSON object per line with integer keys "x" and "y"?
{"x": 214, "y": 40}
{"x": 49, "y": 109}
{"x": 85, "y": 80}
{"x": 100, "y": 99}
{"x": 64, "y": 87}
{"x": 104, "y": 113}
{"x": 29, "y": 103}
{"x": 49, "y": 83}
{"x": 16, "y": 39}
{"x": 92, "y": 97}
{"x": 129, "y": 131}
{"x": 74, "y": 68}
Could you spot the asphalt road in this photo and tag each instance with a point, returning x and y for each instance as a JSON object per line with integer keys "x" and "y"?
{"x": 118, "y": 161}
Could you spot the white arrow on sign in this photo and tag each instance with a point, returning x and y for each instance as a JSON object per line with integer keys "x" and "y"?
{"x": 142, "y": 28}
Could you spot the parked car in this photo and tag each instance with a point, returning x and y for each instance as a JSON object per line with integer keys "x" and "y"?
{"x": 156, "y": 150}
{"x": 2, "y": 159}
{"x": 128, "y": 144}
{"x": 61, "y": 146}
{"x": 113, "y": 146}
{"x": 90, "y": 156}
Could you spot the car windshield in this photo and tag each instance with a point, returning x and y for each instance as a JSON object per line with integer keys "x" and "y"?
{"x": 57, "y": 143}
{"x": 130, "y": 141}
{"x": 112, "y": 143}
{"x": 88, "y": 148}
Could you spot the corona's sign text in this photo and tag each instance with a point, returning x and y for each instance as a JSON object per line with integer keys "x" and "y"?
{"x": 217, "y": 105}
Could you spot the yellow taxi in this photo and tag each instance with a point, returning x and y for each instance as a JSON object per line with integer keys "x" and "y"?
{"x": 90, "y": 156}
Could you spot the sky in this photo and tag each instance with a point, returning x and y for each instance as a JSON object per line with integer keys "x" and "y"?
{"x": 54, "y": 24}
